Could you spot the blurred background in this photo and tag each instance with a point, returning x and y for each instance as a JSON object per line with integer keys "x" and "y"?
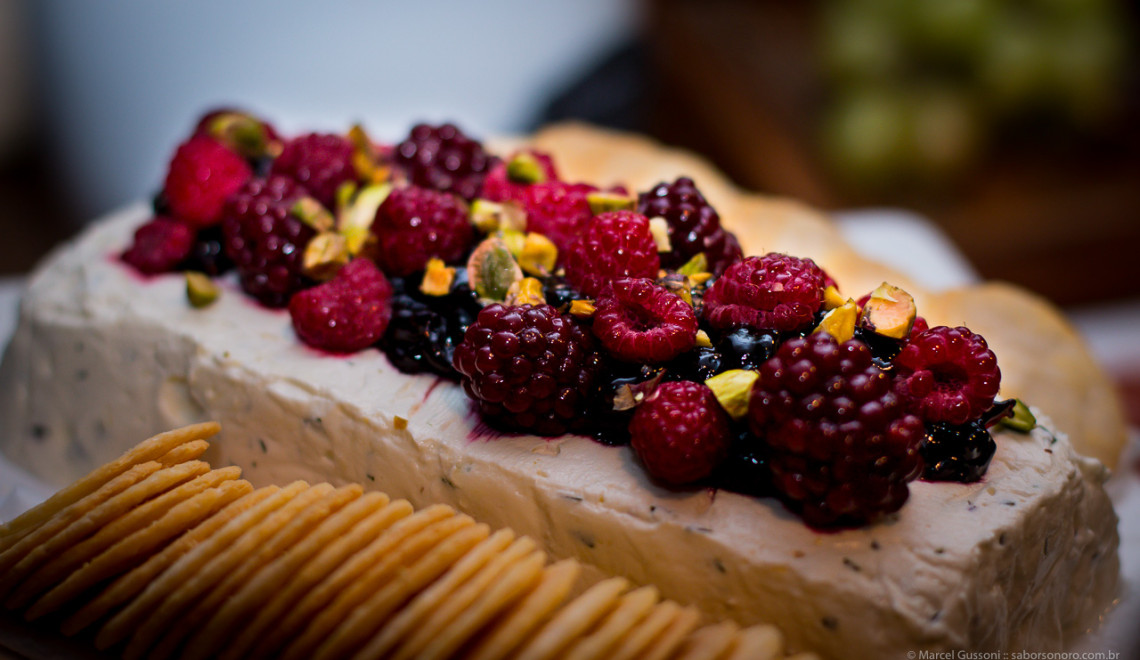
{"x": 1012, "y": 125}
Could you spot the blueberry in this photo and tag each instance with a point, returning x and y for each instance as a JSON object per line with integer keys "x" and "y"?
{"x": 956, "y": 452}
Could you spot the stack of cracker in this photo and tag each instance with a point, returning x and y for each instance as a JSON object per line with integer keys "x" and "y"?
{"x": 157, "y": 555}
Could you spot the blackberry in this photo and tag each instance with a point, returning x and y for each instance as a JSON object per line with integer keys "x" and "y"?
{"x": 745, "y": 469}
{"x": 558, "y": 293}
{"x": 956, "y": 452}
{"x": 746, "y": 348}
{"x": 608, "y": 425}
{"x": 694, "y": 225}
{"x": 444, "y": 159}
{"x": 884, "y": 350}
{"x": 209, "y": 254}
{"x": 424, "y": 330}
{"x": 699, "y": 364}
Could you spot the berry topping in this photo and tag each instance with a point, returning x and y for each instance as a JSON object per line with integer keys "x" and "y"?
{"x": 560, "y": 211}
{"x": 500, "y": 186}
{"x": 615, "y": 244}
{"x": 956, "y": 452}
{"x": 680, "y": 432}
{"x": 425, "y": 329}
{"x": 694, "y": 225}
{"x": 638, "y": 321}
{"x": 415, "y": 224}
{"x": 443, "y": 158}
{"x": 265, "y": 241}
{"x": 843, "y": 444}
{"x": 773, "y": 292}
{"x": 948, "y": 375}
{"x": 346, "y": 314}
{"x": 320, "y": 162}
{"x": 208, "y": 254}
{"x": 202, "y": 174}
{"x": 528, "y": 368}
{"x": 160, "y": 246}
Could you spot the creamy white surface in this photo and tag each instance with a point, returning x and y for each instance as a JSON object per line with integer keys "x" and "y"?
{"x": 102, "y": 358}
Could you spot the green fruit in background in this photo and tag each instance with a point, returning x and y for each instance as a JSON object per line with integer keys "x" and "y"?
{"x": 950, "y": 30}
{"x": 1013, "y": 64}
{"x": 857, "y": 46}
{"x": 946, "y": 132}
{"x": 865, "y": 136}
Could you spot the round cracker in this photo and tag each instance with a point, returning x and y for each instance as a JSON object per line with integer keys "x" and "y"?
{"x": 423, "y": 568}
{"x": 528, "y": 613}
{"x": 91, "y": 522}
{"x": 513, "y": 585}
{"x": 631, "y": 609}
{"x": 263, "y": 636}
{"x": 370, "y": 569}
{"x": 760, "y": 642}
{"x": 709, "y": 643}
{"x": 574, "y": 619}
{"x": 665, "y": 644}
{"x": 170, "y": 615}
{"x": 445, "y": 612}
{"x": 141, "y": 544}
{"x": 127, "y": 620}
{"x": 642, "y": 635}
{"x": 218, "y": 607}
{"x": 430, "y": 600}
{"x": 147, "y": 450}
{"x": 128, "y": 586}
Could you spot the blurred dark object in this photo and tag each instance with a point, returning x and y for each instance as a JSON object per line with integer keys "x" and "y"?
{"x": 35, "y": 214}
{"x": 1037, "y": 184}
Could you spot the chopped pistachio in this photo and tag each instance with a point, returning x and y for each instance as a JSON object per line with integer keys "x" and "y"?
{"x": 527, "y": 291}
{"x": 365, "y": 160}
{"x": 582, "y": 308}
{"x": 604, "y": 202}
{"x": 732, "y": 389}
{"x": 438, "y": 278}
{"x": 832, "y": 298}
{"x": 243, "y": 133}
{"x": 889, "y": 312}
{"x": 325, "y": 254}
{"x": 344, "y": 194}
{"x": 1022, "y": 420}
{"x": 840, "y": 322}
{"x": 311, "y": 212}
{"x": 659, "y": 227}
{"x": 700, "y": 278}
{"x": 399, "y": 423}
{"x": 699, "y": 263}
{"x": 355, "y": 218}
{"x": 703, "y": 339}
{"x": 679, "y": 285}
{"x": 538, "y": 255}
{"x": 200, "y": 289}
{"x": 492, "y": 270}
{"x": 486, "y": 215}
{"x": 514, "y": 239}
{"x": 525, "y": 168}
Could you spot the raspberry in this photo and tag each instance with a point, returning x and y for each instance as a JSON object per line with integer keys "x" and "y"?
{"x": 528, "y": 368}
{"x": 346, "y": 314}
{"x": 680, "y": 432}
{"x": 694, "y": 225}
{"x": 265, "y": 241}
{"x": 443, "y": 158}
{"x": 948, "y": 375}
{"x": 615, "y": 244}
{"x": 773, "y": 292}
{"x": 558, "y": 211}
{"x": 319, "y": 161}
{"x": 843, "y": 443}
{"x": 160, "y": 246}
{"x": 638, "y": 321}
{"x": 415, "y": 224}
{"x": 202, "y": 175}
{"x": 498, "y": 187}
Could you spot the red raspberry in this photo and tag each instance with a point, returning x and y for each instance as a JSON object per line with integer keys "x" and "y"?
{"x": 638, "y": 321}
{"x": 202, "y": 175}
{"x": 558, "y": 211}
{"x": 843, "y": 444}
{"x": 694, "y": 225}
{"x": 415, "y": 224}
{"x": 346, "y": 314}
{"x": 265, "y": 241}
{"x": 773, "y": 292}
{"x": 948, "y": 375}
{"x": 680, "y": 432}
{"x": 160, "y": 246}
{"x": 615, "y": 244}
{"x": 319, "y": 161}
{"x": 498, "y": 187}
{"x": 443, "y": 158}
{"x": 528, "y": 368}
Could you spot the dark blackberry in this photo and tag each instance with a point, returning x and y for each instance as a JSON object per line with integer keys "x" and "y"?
{"x": 699, "y": 364}
{"x": 559, "y": 294}
{"x": 956, "y": 452}
{"x": 607, "y": 425}
{"x": 208, "y": 254}
{"x": 884, "y": 349}
{"x": 694, "y": 225}
{"x": 745, "y": 469}
{"x": 746, "y": 348}
{"x": 444, "y": 159}
{"x": 424, "y": 330}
